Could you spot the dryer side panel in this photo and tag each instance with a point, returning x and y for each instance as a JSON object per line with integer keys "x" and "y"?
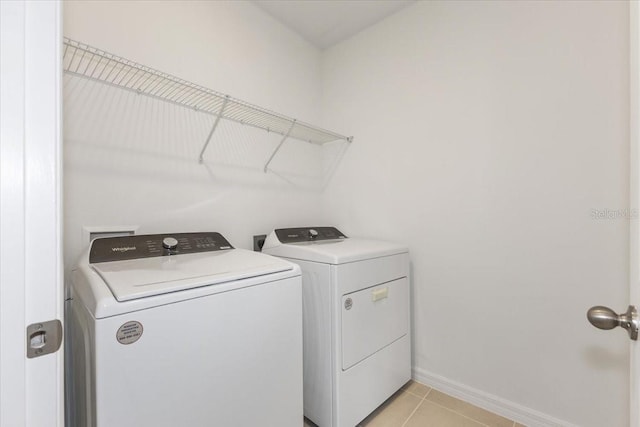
{"x": 317, "y": 342}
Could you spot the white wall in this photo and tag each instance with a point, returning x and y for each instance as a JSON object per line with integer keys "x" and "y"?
{"x": 133, "y": 161}
{"x": 486, "y": 133}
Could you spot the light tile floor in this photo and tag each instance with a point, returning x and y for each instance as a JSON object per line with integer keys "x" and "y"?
{"x": 416, "y": 405}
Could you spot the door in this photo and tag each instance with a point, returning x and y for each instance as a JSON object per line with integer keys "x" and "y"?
{"x": 31, "y": 379}
{"x": 634, "y": 200}
{"x": 603, "y": 317}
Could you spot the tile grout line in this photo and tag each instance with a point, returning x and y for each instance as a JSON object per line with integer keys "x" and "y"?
{"x": 416, "y": 394}
{"x": 416, "y": 408}
{"x": 454, "y": 411}
{"x": 422, "y": 399}
{"x": 459, "y": 413}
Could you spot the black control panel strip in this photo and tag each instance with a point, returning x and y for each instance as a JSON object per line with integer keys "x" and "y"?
{"x": 155, "y": 245}
{"x": 308, "y": 234}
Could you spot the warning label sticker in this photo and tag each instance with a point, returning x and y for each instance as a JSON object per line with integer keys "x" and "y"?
{"x": 129, "y": 333}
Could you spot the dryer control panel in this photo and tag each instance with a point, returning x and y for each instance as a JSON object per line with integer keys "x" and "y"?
{"x": 308, "y": 234}
{"x": 155, "y": 245}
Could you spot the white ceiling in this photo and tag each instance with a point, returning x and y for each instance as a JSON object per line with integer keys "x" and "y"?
{"x": 326, "y": 22}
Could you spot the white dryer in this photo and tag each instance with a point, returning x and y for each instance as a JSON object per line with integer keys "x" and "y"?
{"x": 184, "y": 330}
{"x": 356, "y": 335}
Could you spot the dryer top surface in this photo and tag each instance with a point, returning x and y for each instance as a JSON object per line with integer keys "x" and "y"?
{"x": 336, "y": 251}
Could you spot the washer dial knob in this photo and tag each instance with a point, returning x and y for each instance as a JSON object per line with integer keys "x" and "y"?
{"x": 170, "y": 243}
{"x": 313, "y": 233}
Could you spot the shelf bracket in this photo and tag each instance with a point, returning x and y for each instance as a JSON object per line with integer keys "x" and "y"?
{"x": 213, "y": 129}
{"x": 266, "y": 165}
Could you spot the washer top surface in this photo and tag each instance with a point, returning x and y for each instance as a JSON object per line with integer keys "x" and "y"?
{"x": 135, "y": 267}
{"x": 326, "y": 245}
{"x": 140, "y": 278}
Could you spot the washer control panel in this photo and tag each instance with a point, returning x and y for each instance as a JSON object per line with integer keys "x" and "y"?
{"x": 154, "y": 245}
{"x": 308, "y": 234}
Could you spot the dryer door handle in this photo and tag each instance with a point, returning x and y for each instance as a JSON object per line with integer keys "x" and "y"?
{"x": 379, "y": 294}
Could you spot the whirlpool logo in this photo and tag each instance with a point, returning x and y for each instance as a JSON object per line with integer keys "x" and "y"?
{"x": 124, "y": 249}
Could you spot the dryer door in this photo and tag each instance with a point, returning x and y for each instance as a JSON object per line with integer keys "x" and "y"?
{"x": 373, "y": 318}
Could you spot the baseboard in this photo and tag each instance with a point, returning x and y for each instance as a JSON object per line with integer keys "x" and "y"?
{"x": 497, "y": 405}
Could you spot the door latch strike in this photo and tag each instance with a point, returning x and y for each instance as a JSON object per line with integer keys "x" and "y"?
{"x": 43, "y": 338}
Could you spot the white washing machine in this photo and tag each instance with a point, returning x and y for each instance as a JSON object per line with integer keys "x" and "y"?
{"x": 184, "y": 330}
{"x": 356, "y": 334}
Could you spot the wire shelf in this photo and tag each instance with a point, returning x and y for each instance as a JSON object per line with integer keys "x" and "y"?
{"x": 82, "y": 60}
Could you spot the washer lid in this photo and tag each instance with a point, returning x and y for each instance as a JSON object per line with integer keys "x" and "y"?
{"x": 145, "y": 277}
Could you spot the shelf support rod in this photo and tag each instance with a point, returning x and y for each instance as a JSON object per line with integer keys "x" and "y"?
{"x": 213, "y": 129}
{"x": 279, "y": 145}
